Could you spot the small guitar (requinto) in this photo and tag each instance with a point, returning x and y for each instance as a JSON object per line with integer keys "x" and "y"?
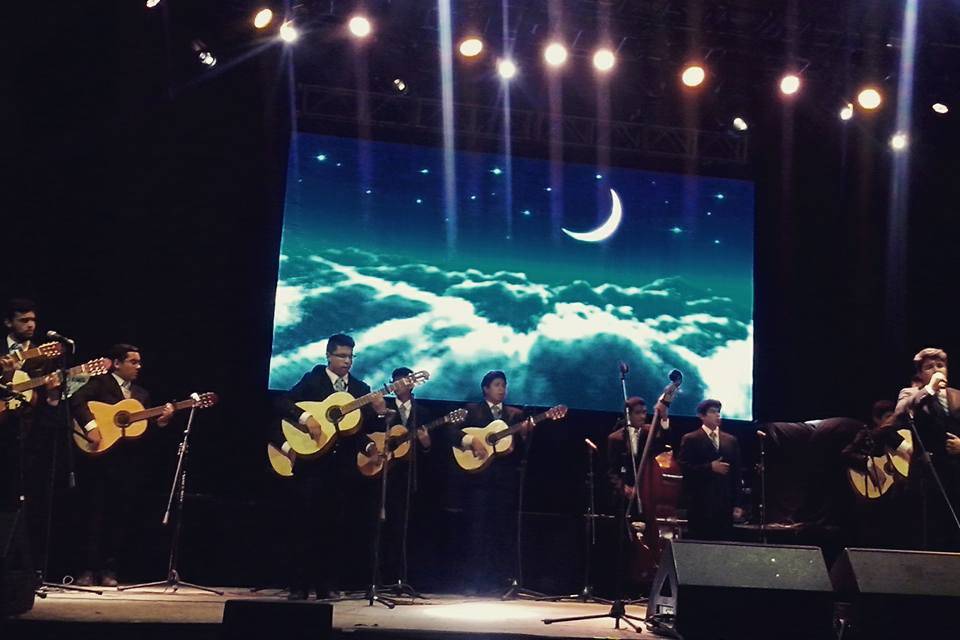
{"x": 881, "y": 471}
{"x": 497, "y": 438}
{"x": 398, "y": 443}
{"x": 338, "y": 415}
{"x": 23, "y": 384}
{"x": 127, "y": 419}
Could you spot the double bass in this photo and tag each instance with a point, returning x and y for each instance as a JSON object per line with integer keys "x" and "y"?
{"x": 659, "y": 481}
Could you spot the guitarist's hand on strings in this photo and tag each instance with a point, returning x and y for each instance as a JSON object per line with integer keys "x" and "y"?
{"x": 877, "y": 475}
{"x": 93, "y": 435}
{"x": 953, "y": 444}
{"x": 316, "y": 431}
{"x": 164, "y": 418}
{"x": 476, "y": 445}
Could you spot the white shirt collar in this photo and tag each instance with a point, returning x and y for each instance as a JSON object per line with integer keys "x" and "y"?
{"x": 405, "y": 405}
{"x": 10, "y": 342}
{"x": 334, "y": 377}
{"x": 121, "y": 381}
{"x": 707, "y": 431}
{"x": 495, "y": 404}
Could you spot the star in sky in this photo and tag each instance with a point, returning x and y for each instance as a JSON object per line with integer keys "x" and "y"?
{"x": 676, "y": 230}
{"x": 496, "y": 171}
{"x": 424, "y": 171}
{"x": 321, "y": 157}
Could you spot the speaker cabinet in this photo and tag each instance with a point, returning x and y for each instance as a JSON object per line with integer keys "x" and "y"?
{"x": 887, "y": 594}
{"x": 259, "y": 619}
{"x": 730, "y": 590}
{"x": 17, "y": 579}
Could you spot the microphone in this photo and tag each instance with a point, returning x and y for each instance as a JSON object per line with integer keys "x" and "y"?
{"x": 53, "y": 335}
{"x": 590, "y": 443}
{"x": 195, "y": 396}
{"x": 676, "y": 376}
{"x": 624, "y": 367}
{"x": 761, "y": 434}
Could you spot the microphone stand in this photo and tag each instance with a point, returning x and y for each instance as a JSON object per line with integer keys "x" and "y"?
{"x": 618, "y": 608}
{"x": 763, "y": 486}
{"x": 402, "y": 587}
{"x": 516, "y": 590}
{"x": 44, "y": 585}
{"x": 179, "y": 481}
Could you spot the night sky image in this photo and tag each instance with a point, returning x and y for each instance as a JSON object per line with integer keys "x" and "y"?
{"x": 550, "y": 272}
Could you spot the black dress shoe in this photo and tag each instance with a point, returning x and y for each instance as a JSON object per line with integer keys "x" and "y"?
{"x": 86, "y": 579}
{"x": 297, "y": 594}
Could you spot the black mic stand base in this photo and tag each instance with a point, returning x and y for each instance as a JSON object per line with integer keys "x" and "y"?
{"x": 401, "y": 589}
{"x": 585, "y": 596}
{"x": 173, "y": 581}
{"x": 618, "y": 612}
{"x": 43, "y": 589}
{"x": 518, "y": 592}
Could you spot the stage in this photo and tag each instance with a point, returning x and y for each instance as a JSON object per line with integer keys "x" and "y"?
{"x": 193, "y": 614}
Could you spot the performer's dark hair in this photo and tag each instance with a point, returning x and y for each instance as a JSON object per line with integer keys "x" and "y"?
{"x": 633, "y": 401}
{"x": 491, "y": 376}
{"x": 401, "y": 372}
{"x": 18, "y": 305}
{"x": 120, "y": 351}
{"x": 339, "y": 340}
{"x": 881, "y": 407}
{"x": 706, "y": 405}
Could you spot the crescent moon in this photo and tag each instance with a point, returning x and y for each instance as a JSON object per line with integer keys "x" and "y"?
{"x": 605, "y": 230}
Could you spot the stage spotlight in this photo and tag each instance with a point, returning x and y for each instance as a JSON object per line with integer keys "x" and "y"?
{"x": 471, "y": 47}
{"x": 847, "y": 112}
{"x": 555, "y": 54}
{"x": 603, "y": 60}
{"x": 693, "y": 75}
{"x": 399, "y": 85}
{"x": 740, "y": 124}
{"x": 152, "y": 3}
{"x": 869, "y": 98}
{"x": 360, "y": 26}
{"x": 288, "y": 32}
{"x": 940, "y": 108}
{"x": 262, "y": 18}
{"x": 204, "y": 54}
{"x": 899, "y": 141}
{"x": 789, "y": 84}
{"x": 506, "y": 68}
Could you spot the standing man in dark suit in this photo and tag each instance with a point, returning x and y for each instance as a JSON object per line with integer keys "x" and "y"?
{"x": 620, "y": 464}
{"x": 323, "y": 484}
{"x": 107, "y": 482}
{"x": 710, "y": 460}
{"x": 935, "y": 408}
{"x": 490, "y": 497}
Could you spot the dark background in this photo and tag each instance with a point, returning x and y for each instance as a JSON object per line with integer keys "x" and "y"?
{"x": 142, "y": 203}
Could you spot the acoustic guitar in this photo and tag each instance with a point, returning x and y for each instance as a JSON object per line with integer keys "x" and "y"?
{"x": 882, "y": 471}
{"x": 23, "y": 384}
{"x": 127, "y": 419}
{"x": 497, "y": 438}
{"x": 395, "y": 443}
{"x": 338, "y": 415}
{"x": 280, "y": 462}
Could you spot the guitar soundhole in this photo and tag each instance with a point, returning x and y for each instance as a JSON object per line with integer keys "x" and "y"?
{"x": 334, "y": 415}
{"x": 122, "y": 419}
{"x": 491, "y": 439}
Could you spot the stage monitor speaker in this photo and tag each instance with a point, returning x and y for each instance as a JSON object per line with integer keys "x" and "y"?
{"x": 730, "y": 590}
{"x": 17, "y": 579}
{"x": 259, "y": 619}
{"x": 890, "y": 593}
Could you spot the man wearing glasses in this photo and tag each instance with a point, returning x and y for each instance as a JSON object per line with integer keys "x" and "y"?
{"x": 321, "y": 483}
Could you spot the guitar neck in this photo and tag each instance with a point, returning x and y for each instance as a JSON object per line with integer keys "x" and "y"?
{"x": 146, "y": 414}
{"x": 34, "y": 352}
{"x": 33, "y": 383}
{"x": 513, "y": 430}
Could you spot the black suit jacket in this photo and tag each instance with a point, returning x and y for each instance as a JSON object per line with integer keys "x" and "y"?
{"x": 710, "y": 497}
{"x": 619, "y": 463}
{"x": 316, "y": 386}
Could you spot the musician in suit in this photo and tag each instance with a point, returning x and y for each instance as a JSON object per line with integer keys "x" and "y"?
{"x": 710, "y": 459}
{"x": 323, "y": 484}
{"x": 935, "y": 409}
{"x": 107, "y": 482}
{"x": 27, "y": 433}
{"x": 620, "y": 464}
{"x": 490, "y": 497}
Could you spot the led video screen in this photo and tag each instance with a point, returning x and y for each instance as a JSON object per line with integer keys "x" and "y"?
{"x": 550, "y": 272}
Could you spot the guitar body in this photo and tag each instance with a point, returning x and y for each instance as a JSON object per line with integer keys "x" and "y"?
{"x": 371, "y": 466}
{"x": 110, "y": 419}
{"x": 279, "y": 461}
{"x": 469, "y": 462}
{"x": 19, "y": 377}
{"x": 894, "y": 463}
{"x": 326, "y": 413}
